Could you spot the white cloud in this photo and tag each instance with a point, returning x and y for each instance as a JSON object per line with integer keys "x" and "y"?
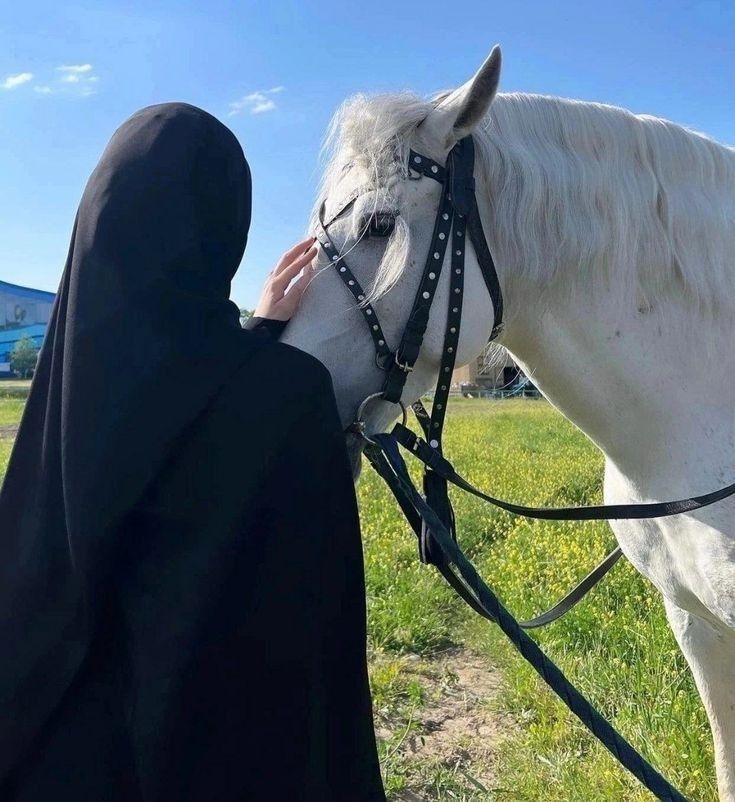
{"x": 256, "y": 102}
{"x": 75, "y": 69}
{"x": 261, "y": 103}
{"x": 14, "y": 81}
{"x": 73, "y": 79}
{"x": 78, "y": 78}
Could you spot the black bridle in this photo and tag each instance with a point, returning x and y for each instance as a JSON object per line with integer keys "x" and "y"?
{"x": 457, "y": 216}
{"x": 431, "y": 516}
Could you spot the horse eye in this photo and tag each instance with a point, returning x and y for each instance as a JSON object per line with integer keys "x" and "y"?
{"x": 381, "y": 224}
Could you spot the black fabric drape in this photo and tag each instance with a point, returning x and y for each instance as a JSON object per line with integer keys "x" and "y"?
{"x": 266, "y": 327}
{"x": 133, "y": 520}
{"x": 142, "y": 308}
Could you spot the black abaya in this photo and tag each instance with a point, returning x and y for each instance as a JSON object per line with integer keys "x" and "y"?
{"x": 182, "y": 594}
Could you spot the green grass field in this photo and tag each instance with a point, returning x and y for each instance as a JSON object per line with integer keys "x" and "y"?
{"x": 616, "y": 645}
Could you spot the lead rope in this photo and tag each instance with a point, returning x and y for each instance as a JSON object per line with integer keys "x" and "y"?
{"x": 386, "y": 458}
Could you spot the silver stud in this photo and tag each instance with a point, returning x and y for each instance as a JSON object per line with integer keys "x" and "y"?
{"x": 343, "y": 270}
{"x": 381, "y": 342}
{"x": 360, "y": 297}
{"x": 456, "y": 289}
{"x": 417, "y": 159}
{"x": 436, "y": 424}
{"x": 351, "y": 283}
{"x": 434, "y": 168}
{"x": 455, "y": 309}
{"x": 458, "y": 271}
{"x": 335, "y": 258}
{"x": 458, "y": 233}
{"x": 426, "y": 295}
{"x": 434, "y": 444}
{"x": 375, "y": 327}
{"x": 444, "y": 386}
{"x": 438, "y": 406}
{"x": 442, "y": 235}
{"x": 436, "y": 255}
{"x": 368, "y": 311}
{"x": 459, "y": 253}
{"x": 445, "y": 216}
{"x": 453, "y": 330}
{"x": 450, "y": 349}
{"x": 446, "y": 370}
{"x": 432, "y": 276}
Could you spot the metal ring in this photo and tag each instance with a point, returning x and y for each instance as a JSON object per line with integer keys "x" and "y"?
{"x": 358, "y": 426}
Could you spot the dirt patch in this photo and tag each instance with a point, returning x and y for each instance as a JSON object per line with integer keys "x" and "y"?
{"x": 460, "y": 727}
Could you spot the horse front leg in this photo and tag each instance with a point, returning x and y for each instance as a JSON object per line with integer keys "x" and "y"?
{"x": 710, "y": 652}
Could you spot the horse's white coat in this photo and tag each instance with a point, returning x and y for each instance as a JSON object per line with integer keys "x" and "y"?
{"x": 614, "y": 237}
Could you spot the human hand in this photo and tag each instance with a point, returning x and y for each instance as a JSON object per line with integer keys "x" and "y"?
{"x": 278, "y": 300}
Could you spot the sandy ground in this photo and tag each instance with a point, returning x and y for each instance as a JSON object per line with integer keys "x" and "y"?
{"x": 459, "y": 728}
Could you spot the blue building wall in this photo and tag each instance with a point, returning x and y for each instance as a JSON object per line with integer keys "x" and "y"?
{"x": 24, "y": 312}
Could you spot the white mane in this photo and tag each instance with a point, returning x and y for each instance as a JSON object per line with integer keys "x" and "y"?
{"x": 574, "y": 186}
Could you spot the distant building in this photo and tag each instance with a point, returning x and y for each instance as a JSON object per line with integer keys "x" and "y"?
{"x": 493, "y": 369}
{"x": 24, "y": 312}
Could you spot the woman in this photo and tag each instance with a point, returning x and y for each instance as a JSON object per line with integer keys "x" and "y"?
{"x": 181, "y": 586}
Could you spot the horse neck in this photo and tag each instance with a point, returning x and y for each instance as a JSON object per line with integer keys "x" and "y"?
{"x": 651, "y": 385}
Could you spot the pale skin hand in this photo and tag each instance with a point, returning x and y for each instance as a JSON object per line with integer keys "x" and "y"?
{"x": 278, "y": 301}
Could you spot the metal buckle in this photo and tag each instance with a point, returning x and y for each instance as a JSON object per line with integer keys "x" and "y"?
{"x": 404, "y": 366}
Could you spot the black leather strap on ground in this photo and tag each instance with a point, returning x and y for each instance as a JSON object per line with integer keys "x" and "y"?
{"x": 487, "y": 603}
{"x": 575, "y": 595}
{"x": 431, "y": 554}
{"x": 553, "y": 613}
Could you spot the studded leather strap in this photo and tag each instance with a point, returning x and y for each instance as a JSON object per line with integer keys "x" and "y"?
{"x": 413, "y": 335}
{"x": 353, "y": 285}
{"x": 423, "y": 165}
{"x": 458, "y": 201}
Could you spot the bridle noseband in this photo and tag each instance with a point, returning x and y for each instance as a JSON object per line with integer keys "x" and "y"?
{"x": 457, "y": 215}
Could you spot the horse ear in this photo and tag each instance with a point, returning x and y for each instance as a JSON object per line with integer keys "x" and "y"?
{"x": 462, "y": 110}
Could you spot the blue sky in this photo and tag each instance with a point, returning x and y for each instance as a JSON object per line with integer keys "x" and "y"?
{"x": 673, "y": 58}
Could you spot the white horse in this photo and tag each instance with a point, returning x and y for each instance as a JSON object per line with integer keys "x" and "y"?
{"x": 614, "y": 238}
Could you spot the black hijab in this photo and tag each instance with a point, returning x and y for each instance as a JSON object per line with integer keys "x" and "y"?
{"x": 141, "y": 338}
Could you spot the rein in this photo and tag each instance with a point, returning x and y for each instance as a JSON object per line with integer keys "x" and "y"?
{"x": 431, "y": 515}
